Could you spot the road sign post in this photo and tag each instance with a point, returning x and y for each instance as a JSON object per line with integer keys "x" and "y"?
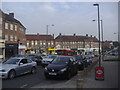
{"x": 99, "y": 73}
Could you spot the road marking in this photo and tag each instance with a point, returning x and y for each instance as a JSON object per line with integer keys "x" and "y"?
{"x": 23, "y": 86}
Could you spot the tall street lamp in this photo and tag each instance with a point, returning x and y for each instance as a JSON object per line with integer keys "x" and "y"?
{"x": 98, "y": 32}
{"x": 101, "y": 36}
{"x": 47, "y": 28}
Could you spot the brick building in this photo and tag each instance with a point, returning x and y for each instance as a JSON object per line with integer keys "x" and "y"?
{"x": 39, "y": 42}
{"x": 2, "y": 41}
{"x": 76, "y": 42}
{"x": 13, "y": 32}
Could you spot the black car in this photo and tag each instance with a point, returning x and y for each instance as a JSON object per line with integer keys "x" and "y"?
{"x": 61, "y": 67}
{"x": 80, "y": 61}
{"x": 36, "y": 58}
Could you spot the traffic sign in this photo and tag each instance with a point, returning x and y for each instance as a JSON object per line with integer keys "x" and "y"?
{"x": 99, "y": 73}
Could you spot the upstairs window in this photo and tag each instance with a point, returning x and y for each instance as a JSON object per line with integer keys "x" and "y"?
{"x": 6, "y": 25}
{"x": 0, "y": 20}
{"x": 11, "y": 26}
{"x": 15, "y": 27}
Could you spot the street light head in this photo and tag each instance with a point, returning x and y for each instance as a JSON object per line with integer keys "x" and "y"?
{"x": 52, "y": 25}
{"x": 96, "y": 4}
{"x": 93, "y": 20}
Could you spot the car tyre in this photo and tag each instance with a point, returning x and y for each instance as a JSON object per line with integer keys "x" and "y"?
{"x": 68, "y": 76}
{"x": 47, "y": 77}
{"x": 33, "y": 70}
{"x": 11, "y": 74}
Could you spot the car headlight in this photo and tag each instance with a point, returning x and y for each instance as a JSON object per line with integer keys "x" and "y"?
{"x": 64, "y": 69}
{"x": 79, "y": 63}
{"x": 87, "y": 60}
{"x": 2, "y": 70}
{"x": 45, "y": 68}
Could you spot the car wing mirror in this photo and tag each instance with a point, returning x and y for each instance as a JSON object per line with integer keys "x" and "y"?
{"x": 20, "y": 63}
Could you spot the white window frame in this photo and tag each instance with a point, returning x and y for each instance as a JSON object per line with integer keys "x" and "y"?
{"x": 0, "y": 20}
{"x": 6, "y": 25}
{"x": 15, "y": 27}
{"x": 11, "y": 26}
{"x": 6, "y": 37}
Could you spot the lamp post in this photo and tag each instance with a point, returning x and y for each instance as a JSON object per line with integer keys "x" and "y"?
{"x": 101, "y": 36}
{"x": 47, "y": 28}
{"x": 98, "y": 32}
{"x": 118, "y": 44}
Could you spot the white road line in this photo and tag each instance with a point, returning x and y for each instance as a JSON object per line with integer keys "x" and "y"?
{"x": 24, "y": 86}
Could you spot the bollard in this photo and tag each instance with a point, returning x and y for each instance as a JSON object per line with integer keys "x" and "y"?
{"x": 80, "y": 83}
{"x": 80, "y": 74}
{"x": 85, "y": 71}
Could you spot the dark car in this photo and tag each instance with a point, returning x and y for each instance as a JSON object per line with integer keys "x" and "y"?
{"x": 89, "y": 60}
{"x": 36, "y": 58}
{"x": 48, "y": 60}
{"x": 80, "y": 61}
{"x": 61, "y": 67}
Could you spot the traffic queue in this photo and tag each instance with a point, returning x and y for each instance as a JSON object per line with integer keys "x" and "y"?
{"x": 64, "y": 64}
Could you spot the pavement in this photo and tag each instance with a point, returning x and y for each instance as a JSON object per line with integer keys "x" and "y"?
{"x": 110, "y": 80}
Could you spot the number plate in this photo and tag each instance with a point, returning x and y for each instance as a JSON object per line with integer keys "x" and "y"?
{"x": 52, "y": 74}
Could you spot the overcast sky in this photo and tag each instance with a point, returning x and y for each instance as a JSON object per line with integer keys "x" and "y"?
{"x": 68, "y": 17}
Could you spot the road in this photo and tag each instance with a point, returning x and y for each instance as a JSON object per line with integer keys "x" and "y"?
{"x": 38, "y": 80}
{"x": 28, "y": 80}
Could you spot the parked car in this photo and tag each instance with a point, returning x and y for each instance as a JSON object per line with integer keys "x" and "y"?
{"x": 80, "y": 61}
{"x": 44, "y": 56}
{"x": 20, "y": 55}
{"x": 89, "y": 60}
{"x": 36, "y": 58}
{"x": 48, "y": 60}
{"x": 61, "y": 67}
{"x": 17, "y": 66}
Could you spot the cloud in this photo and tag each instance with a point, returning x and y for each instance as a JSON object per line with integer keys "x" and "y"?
{"x": 66, "y": 6}
{"x": 48, "y": 8}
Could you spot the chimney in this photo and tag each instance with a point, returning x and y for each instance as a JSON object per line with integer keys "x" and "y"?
{"x": 11, "y": 15}
{"x": 74, "y": 34}
{"x": 60, "y": 34}
{"x": 87, "y": 35}
{"x": 37, "y": 33}
{"x": 53, "y": 35}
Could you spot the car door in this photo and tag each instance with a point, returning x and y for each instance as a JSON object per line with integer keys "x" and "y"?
{"x": 73, "y": 65}
{"x": 29, "y": 64}
{"x": 23, "y": 66}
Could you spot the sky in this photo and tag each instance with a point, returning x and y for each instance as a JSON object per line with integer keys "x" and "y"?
{"x": 68, "y": 17}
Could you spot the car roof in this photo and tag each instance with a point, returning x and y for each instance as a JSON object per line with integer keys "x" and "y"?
{"x": 18, "y": 58}
{"x": 65, "y": 56}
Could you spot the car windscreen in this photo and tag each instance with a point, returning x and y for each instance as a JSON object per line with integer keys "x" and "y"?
{"x": 11, "y": 61}
{"x": 52, "y": 56}
{"x": 78, "y": 57}
{"x": 61, "y": 60}
{"x": 21, "y": 56}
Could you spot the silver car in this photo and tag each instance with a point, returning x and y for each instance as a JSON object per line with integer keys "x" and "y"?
{"x": 17, "y": 66}
{"x": 48, "y": 60}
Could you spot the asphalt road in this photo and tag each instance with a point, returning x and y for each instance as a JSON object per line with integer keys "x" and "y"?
{"x": 29, "y": 80}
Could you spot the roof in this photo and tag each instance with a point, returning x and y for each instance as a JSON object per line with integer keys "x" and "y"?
{"x": 39, "y": 37}
{"x": 75, "y": 38}
{"x": 11, "y": 19}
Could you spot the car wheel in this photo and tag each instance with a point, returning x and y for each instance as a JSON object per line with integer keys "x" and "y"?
{"x": 47, "y": 77}
{"x": 11, "y": 74}
{"x": 68, "y": 76}
{"x": 33, "y": 70}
